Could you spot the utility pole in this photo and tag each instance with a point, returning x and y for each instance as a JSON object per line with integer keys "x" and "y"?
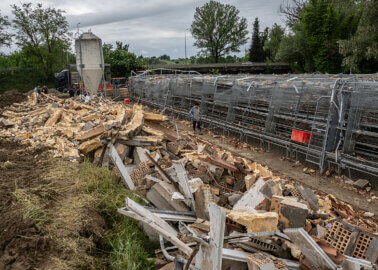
{"x": 185, "y": 44}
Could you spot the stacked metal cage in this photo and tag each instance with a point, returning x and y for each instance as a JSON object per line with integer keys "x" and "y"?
{"x": 340, "y": 113}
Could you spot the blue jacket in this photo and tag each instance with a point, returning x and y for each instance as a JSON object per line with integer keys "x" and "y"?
{"x": 191, "y": 113}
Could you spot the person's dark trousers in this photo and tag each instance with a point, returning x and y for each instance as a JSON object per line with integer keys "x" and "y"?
{"x": 198, "y": 123}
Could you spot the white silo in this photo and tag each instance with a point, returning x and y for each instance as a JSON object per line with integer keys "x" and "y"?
{"x": 90, "y": 60}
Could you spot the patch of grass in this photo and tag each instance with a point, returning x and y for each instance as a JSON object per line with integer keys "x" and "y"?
{"x": 126, "y": 243}
{"x": 33, "y": 207}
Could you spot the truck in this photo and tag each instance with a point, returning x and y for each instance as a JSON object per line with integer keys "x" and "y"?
{"x": 69, "y": 78}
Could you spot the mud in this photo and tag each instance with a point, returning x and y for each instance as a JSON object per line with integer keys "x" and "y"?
{"x": 10, "y": 97}
{"x": 26, "y": 242}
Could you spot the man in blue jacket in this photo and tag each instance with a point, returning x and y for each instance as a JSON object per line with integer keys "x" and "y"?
{"x": 195, "y": 115}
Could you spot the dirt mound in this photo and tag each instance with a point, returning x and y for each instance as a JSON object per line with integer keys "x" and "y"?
{"x": 46, "y": 220}
{"x": 10, "y": 97}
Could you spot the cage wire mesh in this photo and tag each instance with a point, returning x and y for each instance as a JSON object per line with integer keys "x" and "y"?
{"x": 340, "y": 114}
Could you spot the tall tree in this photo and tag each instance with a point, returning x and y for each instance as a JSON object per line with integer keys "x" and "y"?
{"x": 360, "y": 52}
{"x": 42, "y": 34}
{"x": 218, "y": 29}
{"x": 292, "y": 9}
{"x": 324, "y": 25}
{"x": 5, "y": 37}
{"x": 272, "y": 44}
{"x": 256, "y": 52}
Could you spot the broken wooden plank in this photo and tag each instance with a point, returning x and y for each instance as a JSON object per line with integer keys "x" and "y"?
{"x": 121, "y": 168}
{"x": 143, "y": 141}
{"x": 54, "y": 118}
{"x": 89, "y": 146}
{"x": 135, "y": 125}
{"x": 152, "y": 131}
{"x": 94, "y": 132}
{"x": 155, "y": 117}
{"x": 221, "y": 163}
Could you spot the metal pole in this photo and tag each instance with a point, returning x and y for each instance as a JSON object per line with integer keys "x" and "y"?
{"x": 185, "y": 44}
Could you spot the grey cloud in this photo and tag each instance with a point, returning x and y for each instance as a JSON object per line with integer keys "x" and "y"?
{"x": 151, "y": 27}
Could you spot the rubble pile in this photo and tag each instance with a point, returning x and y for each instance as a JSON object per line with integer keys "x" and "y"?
{"x": 219, "y": 210}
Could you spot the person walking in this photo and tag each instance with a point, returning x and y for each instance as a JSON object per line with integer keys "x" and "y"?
{"x": 195, "y": 115}
{"x": 37, "y": 91}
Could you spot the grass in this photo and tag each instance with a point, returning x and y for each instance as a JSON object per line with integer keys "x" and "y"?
{"x": 126, "y": 243}
{"x": 72, "y": 198}
{"x": 33, "y": 207}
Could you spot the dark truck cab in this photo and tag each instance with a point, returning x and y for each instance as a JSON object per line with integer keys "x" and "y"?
{"x": 69, "y": 77}
{"x": 63, "y": 81}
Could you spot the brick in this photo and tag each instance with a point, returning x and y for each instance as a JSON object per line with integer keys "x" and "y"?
{"x": 362, "y": 245}
{"x": 259, "y": 261}
{"x": 338, "y": 237}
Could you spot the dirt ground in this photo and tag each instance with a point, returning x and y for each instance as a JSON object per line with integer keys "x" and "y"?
{"x": 45, "y": 221}
{"x": 10, "y": 97}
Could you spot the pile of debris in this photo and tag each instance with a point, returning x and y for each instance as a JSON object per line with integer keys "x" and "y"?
{"x": 220, "y": 211}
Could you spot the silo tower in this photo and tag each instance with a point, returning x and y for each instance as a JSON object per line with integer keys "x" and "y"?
{"x": 90, "y": 60}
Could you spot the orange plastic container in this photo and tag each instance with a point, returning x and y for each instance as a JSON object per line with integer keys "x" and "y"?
{"x": 300, "y": 136}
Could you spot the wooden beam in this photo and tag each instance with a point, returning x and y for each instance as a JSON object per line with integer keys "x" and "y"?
{"x": 155, "y": 117}
{"x": 210, "y": 257}
{"x": 121, "y": 168}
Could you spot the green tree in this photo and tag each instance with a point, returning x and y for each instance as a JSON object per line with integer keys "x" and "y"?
{"x": 255, "y": 49}
{"x": 292, "y": 11}
{"x": 122, "y": 61}
{"x": 41, "y": 33}
{"x": 294, "y": 50}
{"x": 165, "y": 57}
{"x": 272, "y": 44}
{"x": 5, "y": 37}
{"x": 360, "y": 52}
{"x": 120, "y": 46}
{"x": 218, "y": 29}
{"x": 324, "y": 25}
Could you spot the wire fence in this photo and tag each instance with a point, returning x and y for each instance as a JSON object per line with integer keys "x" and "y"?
{"x": 336, "y": 116}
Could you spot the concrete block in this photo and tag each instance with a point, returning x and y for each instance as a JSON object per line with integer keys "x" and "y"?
{"x": 292, "y": 214}
{"x": 308, "y": 195}
{"x": 271, "y": 188}
{"x": 255, "y": 222}
{"x": 234, "y": 198}
{"x": 160, "y": 195}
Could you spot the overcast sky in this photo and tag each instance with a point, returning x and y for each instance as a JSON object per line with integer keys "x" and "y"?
{"x": 151, "y": 27}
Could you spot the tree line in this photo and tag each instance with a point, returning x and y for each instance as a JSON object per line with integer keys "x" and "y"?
{"x": 329, "y": 36}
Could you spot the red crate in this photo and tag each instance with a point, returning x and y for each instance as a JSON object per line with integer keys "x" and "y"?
{"x": 300, "y": 136}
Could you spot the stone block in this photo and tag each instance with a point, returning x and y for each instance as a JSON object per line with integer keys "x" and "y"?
{"x": 255, "y": 222}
